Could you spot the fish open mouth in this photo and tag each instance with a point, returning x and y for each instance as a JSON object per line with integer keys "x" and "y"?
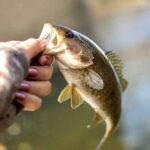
{"x": 54, "y": 38}
{"x": 47, "y": 32}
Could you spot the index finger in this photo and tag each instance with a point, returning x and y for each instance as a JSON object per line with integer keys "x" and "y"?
{"x": 32, "y": 47}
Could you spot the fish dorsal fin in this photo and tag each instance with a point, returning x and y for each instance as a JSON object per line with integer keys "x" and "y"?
{"x": 70, "y": 92}
{"x": 93, "y": 79}
{"x": 97, "y": 119}
{"x": 117, "y": 64}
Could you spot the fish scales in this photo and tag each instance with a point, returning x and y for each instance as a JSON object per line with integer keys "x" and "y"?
{"x": 109, "y": 95}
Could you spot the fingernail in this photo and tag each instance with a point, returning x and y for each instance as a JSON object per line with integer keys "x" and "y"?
{"x": 24, "y": 87}
{"x": 20, "y": 95}
{"x": 32, "y": 72}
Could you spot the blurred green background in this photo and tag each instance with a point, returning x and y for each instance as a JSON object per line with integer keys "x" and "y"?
{"x": 121, "y": 25}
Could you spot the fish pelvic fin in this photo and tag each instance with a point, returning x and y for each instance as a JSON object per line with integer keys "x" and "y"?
{"x": 109, "y": 129}
{"x": 76, "y": 99}
{"x": 118, "y": 66}
{"x": 71, "y": 92}
{"x": 97, "y": 119}
{"x": 65, "y": 94}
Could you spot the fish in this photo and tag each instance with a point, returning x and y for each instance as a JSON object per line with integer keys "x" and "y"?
{"x": 93, "y": 76}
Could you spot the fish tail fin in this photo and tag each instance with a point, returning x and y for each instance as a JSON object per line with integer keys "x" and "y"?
{"x": 109, "y": 129}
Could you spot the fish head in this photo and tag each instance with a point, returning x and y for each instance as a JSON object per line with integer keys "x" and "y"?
{"x": 67, "y": 47}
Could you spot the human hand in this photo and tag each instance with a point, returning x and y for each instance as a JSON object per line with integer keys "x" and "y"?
{"x": 37, "y": 84}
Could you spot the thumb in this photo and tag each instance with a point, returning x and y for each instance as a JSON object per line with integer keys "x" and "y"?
{"x": 32, "y": 47}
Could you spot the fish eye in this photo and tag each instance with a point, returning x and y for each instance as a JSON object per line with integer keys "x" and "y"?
{"x": 69, "y": 35}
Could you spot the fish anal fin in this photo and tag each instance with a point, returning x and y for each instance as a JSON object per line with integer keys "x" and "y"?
{"x": 93, "y": 79}
{"x": 97, "y": 119}
{"x": 76, "y": 99}
{"x": 65, "y": 94}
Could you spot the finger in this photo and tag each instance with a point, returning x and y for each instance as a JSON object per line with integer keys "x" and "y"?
{"x": 45, "y": 60}
{"x": 32, "y": 47}
{"x": 42, "y": 73}
{"x": 38, "y": 88}
{"x": 29, "y": 101}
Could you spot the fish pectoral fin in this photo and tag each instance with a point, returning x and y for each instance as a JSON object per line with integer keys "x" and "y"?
{"x": 76, "y": 99}
{"x": 65, "y": 94}
{"x": 97, "y": 119}
{"x": 124, "y": 84}
{"x": 93, "y": 79}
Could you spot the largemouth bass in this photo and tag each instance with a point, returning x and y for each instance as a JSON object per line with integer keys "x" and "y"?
{"x": 93, "y": 76}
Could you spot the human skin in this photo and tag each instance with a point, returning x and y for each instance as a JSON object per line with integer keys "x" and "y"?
{"x": 37, "y": 84}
